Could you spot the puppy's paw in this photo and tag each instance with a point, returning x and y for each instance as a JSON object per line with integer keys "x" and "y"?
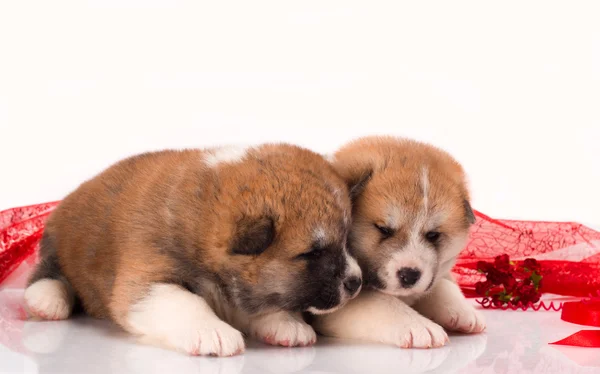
{"x": 49, "y": 299}
{"x": 447, "y": 306}
{"x": 174, "y": 318}
{"x": 462, "y": 318}
{"x": 208, "y": 338}
{"x": 418, "y": 332}
{"x": 216, "y": 339}
{"x": 285, "y": 329}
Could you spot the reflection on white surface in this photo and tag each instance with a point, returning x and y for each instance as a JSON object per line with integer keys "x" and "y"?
{"x": 515, "y": 342}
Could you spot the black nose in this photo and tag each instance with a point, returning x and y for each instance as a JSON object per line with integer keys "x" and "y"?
{"x": 352, "y": 284}
{"x": 409, "y": 276}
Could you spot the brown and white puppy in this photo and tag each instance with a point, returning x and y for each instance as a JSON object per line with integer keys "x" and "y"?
{"x": 190, "y": 249}
{"x": 411, "y": 218}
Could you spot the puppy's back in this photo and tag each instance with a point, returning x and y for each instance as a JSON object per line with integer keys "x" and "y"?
{"x": 109, "y": 211}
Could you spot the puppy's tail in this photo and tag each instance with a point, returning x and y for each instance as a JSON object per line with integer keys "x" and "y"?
{"x": 49, "y": 295}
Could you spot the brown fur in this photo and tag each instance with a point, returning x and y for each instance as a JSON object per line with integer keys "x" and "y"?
{"x": 167, "y": 217}
{"x": 385, "y": 172}
{"x": 411, "y": 218}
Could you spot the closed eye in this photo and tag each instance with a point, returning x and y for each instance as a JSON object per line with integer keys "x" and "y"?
{"x": 314, "y": 252}
{"x": 433, "y": 236}
{"x": 386, "y": 232}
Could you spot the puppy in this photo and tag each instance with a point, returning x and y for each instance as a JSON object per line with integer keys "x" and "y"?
{"x": 411, "y": 218}
{"x": 190, "y": 249}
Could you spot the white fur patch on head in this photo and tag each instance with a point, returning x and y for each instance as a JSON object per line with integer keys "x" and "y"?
{"x": 225, "y": 154}
{"x": 172, "y": 317}
{"x": 425, "y": 188}
{"x": 416, "y": 254}
{"x": 319, "y": 235}
{"x": 49, "y": 299}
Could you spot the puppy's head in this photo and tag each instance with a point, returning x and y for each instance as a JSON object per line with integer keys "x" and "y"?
{"x": 287, "y": 215}
{"x": 411, "y": 212}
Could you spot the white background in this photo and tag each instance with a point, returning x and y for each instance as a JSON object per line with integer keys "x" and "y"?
{"x": 512, "y": 89}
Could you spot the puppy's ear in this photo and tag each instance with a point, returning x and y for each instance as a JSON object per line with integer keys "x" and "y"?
{"x": 356, "y": 171}
{"x": 357, "y": 184}
{"x": 469, "y": 212}
{"x": 253, "y": 236}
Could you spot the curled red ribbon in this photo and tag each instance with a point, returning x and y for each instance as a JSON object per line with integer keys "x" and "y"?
{"x": 585, "y": 312}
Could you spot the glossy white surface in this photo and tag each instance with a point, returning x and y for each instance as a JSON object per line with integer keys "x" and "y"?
{"x": 515, "y": 342}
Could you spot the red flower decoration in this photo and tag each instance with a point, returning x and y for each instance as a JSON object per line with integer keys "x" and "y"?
{"x": 531, "y": 264}
{"x": 502, "y": 262}
{"x": 482, "y": 287}
{"x": 510, "y": 283}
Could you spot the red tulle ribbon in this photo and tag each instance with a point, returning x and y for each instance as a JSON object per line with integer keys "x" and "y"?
{"x": 568, "y": 253}
{"x": 20, "y": 232}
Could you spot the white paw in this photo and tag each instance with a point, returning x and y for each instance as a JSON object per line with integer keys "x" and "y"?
{"x": 447, "y": 306}
{"x": 172, "y": 317}
{"x": 462, "y": 318}
{"x": 417, "y": 332}
{"x": 215, "y": 339}
{"x": 49, "y": 299}
{"x": 208, "y": 338}
{"x": 284, "y": 329}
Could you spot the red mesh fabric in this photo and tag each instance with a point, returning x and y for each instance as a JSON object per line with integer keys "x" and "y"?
{"x": 20, "y": 232}
{"x": 569, "y": 253}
